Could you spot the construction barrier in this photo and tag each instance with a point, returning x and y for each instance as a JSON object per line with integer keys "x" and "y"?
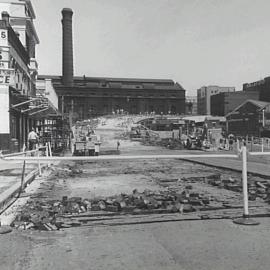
{"x": 242, "y": 152}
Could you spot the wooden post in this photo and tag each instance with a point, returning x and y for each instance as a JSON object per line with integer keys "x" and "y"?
{"x": 47, "y": 154}
{"x": 39, "y": 167}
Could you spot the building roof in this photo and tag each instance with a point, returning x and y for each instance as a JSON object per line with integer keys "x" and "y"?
{"x": 84, "y": 83}
{"x": 108, "y": 79}
{"x": 260, "y": 104}
{"x": 202, "y": 118}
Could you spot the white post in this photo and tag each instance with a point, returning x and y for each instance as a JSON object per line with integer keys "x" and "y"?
{"x": 24, "y": 148}
{"x": 262, "y": 144}
{"x": 244, "y": 180}
{"x": 47, "y": 154}
{"x": 50, "y": 149}
{"x": 39, "y": 168}
{"x": 237, "y": 146}
{"x": 245, "y": 220}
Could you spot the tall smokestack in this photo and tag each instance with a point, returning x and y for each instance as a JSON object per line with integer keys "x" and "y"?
{"x": 67, "y": 68}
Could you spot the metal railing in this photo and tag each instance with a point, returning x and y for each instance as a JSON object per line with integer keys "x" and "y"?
{"x": 34, "y": 155}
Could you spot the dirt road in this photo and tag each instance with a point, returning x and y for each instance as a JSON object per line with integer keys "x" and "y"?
{"x": 190, "y": 244}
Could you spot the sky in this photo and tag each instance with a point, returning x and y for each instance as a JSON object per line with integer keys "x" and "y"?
{"x": 193, "y": 42}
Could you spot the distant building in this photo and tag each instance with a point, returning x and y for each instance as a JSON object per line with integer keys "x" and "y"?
{"x": 204, "y": 97}
{"x": 191, "y": 105}
{"x": 251, "y": 118}
{"x": 261, "y": 86}
{"x": 90, "y": 96}
{"x": 223, "y": 103}
{"x": 84, "y": 97}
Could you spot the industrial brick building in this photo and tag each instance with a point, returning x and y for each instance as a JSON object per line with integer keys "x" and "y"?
{"x": 226, "y": 102}
{"x": 204, "y": 97}
{"x": 251, "y": 118}
{"x": 89, "y": 96}
{"x": 261, "y": 86}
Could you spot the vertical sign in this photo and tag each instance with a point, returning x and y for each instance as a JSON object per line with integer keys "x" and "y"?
{"x": 3, "y": 38}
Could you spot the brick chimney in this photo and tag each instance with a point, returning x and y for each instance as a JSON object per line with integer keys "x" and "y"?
{"x": 67, "y": 68}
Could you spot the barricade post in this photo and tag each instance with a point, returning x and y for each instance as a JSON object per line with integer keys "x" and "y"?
{"x": 50, "y": 149}
{"x": 47, "y": 154}
{"x": 23, "y": 170}
{"x": 245, "y": 220}
{"x": 39, "y": 167}
{"x": 237, "y": 146}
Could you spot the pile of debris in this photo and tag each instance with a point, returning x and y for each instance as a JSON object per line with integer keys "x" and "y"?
{"x": 46, "y": 215}
{"x": 67, "y": 171}
{"x": 256, "y": 188}
{"x": 168, "y": 143}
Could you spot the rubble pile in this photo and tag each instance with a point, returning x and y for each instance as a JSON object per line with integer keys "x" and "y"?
{"x": 68, "y": 171}
{"x": 256, "y": 189}
{"x": 46, "y": 215}
{"x": 168, "y": 143}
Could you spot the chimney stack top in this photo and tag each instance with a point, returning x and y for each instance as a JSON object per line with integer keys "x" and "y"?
{"x": 67, "y": 11}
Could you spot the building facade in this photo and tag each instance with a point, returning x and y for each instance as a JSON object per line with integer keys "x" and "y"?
{"x": 204, "y": 97}
{"x": 251, "y": 118}
{"x": 261, "y": 86}
{"x": 191, "y": 105}
{"x": 18, "y": 71}
{"x": 89, "y": 97}
{"x": 224, "y": 103}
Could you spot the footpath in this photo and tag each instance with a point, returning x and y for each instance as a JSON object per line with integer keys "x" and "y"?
{"x": 234, "y": 164}
{"x": 11, "y": 178}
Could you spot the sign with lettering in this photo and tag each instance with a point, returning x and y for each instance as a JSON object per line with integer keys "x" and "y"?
{"x": 4, "y": 58}
{"x": 6, "y": 76}
{"x": 3, "y": 37}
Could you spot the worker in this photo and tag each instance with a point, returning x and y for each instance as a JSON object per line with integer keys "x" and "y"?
{"x": 32, "y": 139}
{"x": 118, "y": 145}
{"x": 230, "y": 143}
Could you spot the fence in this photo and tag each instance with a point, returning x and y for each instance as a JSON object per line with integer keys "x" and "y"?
{"x": 241, "y": 153}
{"x": 34, "y": 155}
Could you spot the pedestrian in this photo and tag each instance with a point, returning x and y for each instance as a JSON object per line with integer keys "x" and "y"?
{"x": 230, "y": 143}
{"x": 118, "y": 145}
{"x": 32, "y": 139}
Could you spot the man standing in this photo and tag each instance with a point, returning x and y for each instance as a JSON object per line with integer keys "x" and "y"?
{"x": 32, "y": 139}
